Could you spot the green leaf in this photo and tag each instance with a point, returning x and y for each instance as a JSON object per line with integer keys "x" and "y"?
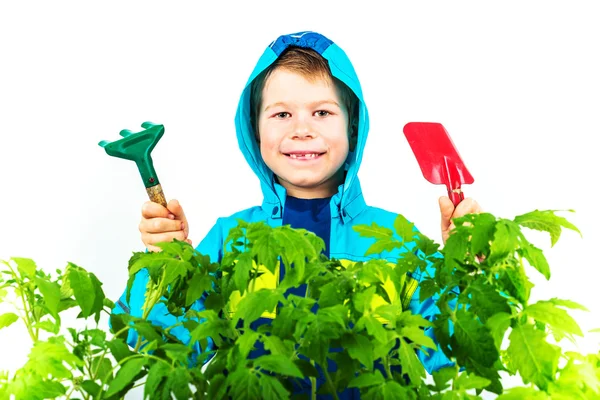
{"x": 25, "y": 266}
{"x": 485, "y": 300}
{"x": 272, "y": 389}
{"x": 482, "y": 233}
{"x": 83, "y": 289}
{"x": 214, "y": 327}
{"x": 418, "y": 337}
{"x": 244, "y": 384}
{"x": 505, "y": 240}
{"x": 51, "y": 358}
{"x": 374, "y": 327}
{"x": 362, "y": 300}
{"x": 546, "y": 221}
{"x": 568, "y": 304}
{"x": 275, "y": 345}
{"x": 266, "y": 249}
{"x": 279, "y": 364}
{"x": 404, "y": 228}
{"x": 442, "y": 377}
{"x": 105, "y": 302}
{"x": 373, "y": 231}
{"x": 530, "y": 354}
{"x": 498, "y": 325}
{"x": 427, "y": 288}
{"x": 90, "y": 387}
{"x": 51, "y": 293}
{"x": 125, "y": 376}
{"x": 367, "y": 379}
{"x": 411, "y": 365}
{"x": 242, "y": 272}
{"x": 297, "y": 247}
{"x": 382, "y": 245}
{"x": 535, "y": 257}
{"x": 48, "y": 326}
{"x": 332, "y": 294}
{"x": 558, "y": 319}
{"x": 472, "y": 340}
{"x": 490, "y": 373}
{"x": 471, "y": 381}
{"x": 246, "y": 342}
{"x": 520, "y": 393}
{"x": 198, "y": 285}
{"x": 217, "y": 388}
{"x": 147, "y": 330}
{"x": 455, "y": 250}
{"x": 119, "y": 349}
{"x": 393, "y": 390}
{"x": 178, "y": 382}
{"x": 360, "y": 348}
{"x": 102, "y": 368}
{"x": 176, "y": 352}
{"x": 580, "y": 373}
{"x": 7, "y": 319}
{"x": 252, "y": 306}
{"x": 516, "y": 282}
{"x": 308, "y": 370}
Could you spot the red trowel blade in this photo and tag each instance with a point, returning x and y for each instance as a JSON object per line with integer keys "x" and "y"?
{"x": 438, "y": 158}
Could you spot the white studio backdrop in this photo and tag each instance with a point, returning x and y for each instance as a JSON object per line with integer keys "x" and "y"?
{"x": 516, "y": 84}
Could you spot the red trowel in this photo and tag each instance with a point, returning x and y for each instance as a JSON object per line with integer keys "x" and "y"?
{"x": 438, "y": 158}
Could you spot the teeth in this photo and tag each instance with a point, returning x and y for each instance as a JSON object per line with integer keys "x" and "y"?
{"x": 309, "y": 155}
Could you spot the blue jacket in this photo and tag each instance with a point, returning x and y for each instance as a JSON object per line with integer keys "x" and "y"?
{"x": 348, "y": 207}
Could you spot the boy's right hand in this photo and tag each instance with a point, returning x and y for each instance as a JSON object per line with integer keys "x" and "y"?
{"x": 160, "y": 224}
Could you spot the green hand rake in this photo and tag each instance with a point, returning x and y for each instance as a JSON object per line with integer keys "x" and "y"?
{"x": 137, "y": 147}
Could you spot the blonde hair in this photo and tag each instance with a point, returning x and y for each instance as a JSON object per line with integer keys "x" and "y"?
{"x": 313, "y": 67}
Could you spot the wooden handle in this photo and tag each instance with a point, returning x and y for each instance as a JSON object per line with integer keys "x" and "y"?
{"x": 156, "y": 195}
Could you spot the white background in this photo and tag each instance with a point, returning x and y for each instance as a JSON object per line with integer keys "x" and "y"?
{"x": 516, "y": 84}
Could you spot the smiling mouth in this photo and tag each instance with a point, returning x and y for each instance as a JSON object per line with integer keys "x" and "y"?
{"x": 303, "y": 156}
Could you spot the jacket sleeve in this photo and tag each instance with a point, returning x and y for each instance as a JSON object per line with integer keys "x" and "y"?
{"x": 435, "y": 360}
{"x": 211, "y": 245}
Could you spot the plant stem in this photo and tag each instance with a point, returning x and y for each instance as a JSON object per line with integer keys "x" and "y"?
{"x": 330, "y": 382}
{"x": 21, "y": 288}
{"x": 68, "y": 395}
{"x": 388, "y": 370}
{"x": 313, "y": 384}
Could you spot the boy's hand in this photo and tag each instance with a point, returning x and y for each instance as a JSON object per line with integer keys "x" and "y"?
{"x": 448, "y": 211}
{"x": 160, "y": 224}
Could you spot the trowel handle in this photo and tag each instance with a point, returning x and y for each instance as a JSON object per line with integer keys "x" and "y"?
{"x": 156, "y": 195}
{"x": 456, "y": 195}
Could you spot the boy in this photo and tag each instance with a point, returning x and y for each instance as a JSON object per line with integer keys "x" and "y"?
{"x": 302, "y": 125}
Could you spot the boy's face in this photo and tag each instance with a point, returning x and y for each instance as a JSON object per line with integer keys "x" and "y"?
{"x": 303, "y": 129}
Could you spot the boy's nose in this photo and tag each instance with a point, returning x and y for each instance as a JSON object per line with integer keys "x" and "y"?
{"x": 302, "y": 130}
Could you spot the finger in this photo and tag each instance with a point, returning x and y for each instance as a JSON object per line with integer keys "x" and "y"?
{"x": 153, "y": 249}
{"x": 160, "y": 225}
{"x": 175, "y": 208}
{"x": 446, "y": 210}
{"x": 467, "y": 206}
{"x": 151, "y": 209}
{"x": 152, "y": 239}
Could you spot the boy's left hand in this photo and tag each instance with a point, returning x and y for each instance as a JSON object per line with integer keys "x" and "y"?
{"x": 448, "y": 211}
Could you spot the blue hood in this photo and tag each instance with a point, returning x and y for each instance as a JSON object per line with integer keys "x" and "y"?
{"x": 341, "y": 68}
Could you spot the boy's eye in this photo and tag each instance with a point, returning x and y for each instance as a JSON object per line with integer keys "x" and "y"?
{"x": 282, "y": 114}
{"x": 322, "y": 113}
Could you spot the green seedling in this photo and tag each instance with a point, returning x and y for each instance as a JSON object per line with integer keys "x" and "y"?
{"x": 137, "y": 147}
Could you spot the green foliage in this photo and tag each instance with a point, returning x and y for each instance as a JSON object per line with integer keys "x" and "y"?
{"x": 348, "y": 317}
